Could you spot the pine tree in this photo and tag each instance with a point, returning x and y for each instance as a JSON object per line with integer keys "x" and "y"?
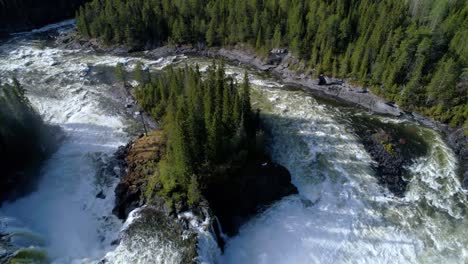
{"x": 277, "y": 37}
{"x": 227, "y": 105}
{"x": 120, "y": 73}
{"x": 374, "y": 43}
{"x": 246, "y": 108}
{"x": 139, "y": 73}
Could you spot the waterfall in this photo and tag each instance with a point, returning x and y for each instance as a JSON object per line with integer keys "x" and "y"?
{"x": 341, "y": 214}
{"x": 350, "y": 219}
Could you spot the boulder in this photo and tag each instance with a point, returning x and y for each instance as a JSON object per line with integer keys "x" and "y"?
{"x": 393, "y": 147}
{"x": 390, "y": 162}
{"x": 322, "y": 80}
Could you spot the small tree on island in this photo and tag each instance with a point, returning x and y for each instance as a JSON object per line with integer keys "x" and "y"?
{"x": 120, "y": 73}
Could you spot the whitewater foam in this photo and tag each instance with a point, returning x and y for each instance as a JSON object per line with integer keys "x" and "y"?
{"x": 65, "y": 207}
{"x": 341, "y": 214}
{"x": 351, "y": 219}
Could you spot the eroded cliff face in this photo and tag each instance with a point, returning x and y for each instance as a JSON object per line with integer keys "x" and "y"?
{"x": 23, "y": 15}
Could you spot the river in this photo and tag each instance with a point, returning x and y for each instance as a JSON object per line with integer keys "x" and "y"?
{"x": 341, "y": 214}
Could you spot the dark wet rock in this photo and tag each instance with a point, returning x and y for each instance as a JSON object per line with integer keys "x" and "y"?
{"x": 458, "y": 140}
{"x": 393, "y": 147}
{"x": 103, "y": 261}
{"x": 322, "y": 80}
{"x": 101, "y": 195}
{"x": 390, "y": 161}
{"x": 115, "y": 242}
{"x": 127, "y": 199}
{"x": 239, "y": 193}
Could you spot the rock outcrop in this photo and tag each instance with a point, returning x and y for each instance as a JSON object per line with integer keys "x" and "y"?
{"x": 241, "y": 192}
{"x": 392, "y": 148}
{"x": 458, "y": 139}
{"x": 390, "y": 161}
{"x": 139, "y": 157}
{"x": 236, "y": 194}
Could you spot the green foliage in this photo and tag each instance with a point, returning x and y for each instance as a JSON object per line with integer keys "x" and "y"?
{"x": 139, "y": 72}
{"x": 389, "y": 147}
{"x": 412, "y": 52}
{"x": 120, "y": 73}
{"x": 193, "y": 192}
{"x": 30, "y": 255}
{"x": 207, "y": 123}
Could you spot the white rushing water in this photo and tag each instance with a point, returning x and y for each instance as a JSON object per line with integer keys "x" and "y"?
{"x": 350, "y": 218}
{"x": 71, "y": 223}
{"x": 63, "y": 219}
{"x": 341, "y": 214}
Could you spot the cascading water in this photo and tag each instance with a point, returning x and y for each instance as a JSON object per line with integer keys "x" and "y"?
{"x": 64, "y": 211}
{"x": 69, "y": 218}
{"x": 341, "y": 214}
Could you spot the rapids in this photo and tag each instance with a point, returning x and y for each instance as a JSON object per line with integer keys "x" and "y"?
{"x": 341, "y": 214}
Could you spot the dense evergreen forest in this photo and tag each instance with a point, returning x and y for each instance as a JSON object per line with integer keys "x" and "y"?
{"x": 411, "y": 52}
{"x": 18, "y": 15}
{"x": 209, "y": 125}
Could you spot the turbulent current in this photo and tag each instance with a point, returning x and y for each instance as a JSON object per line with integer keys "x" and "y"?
{"x": 341, "y": 214}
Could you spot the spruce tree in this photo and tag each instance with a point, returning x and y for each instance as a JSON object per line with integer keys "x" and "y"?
{"x": 120, "y": 73}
